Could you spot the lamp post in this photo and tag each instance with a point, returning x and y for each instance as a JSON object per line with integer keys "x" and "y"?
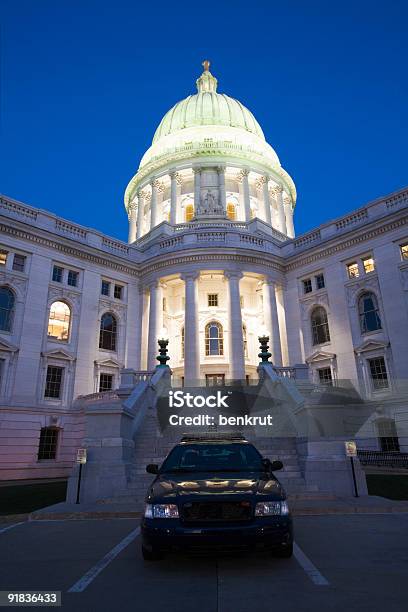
{"x": 264, "y": 353}
{"x": 163, "y": 357}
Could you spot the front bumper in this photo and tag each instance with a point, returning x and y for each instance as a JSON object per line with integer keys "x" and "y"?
{"x": 170, "y": 534}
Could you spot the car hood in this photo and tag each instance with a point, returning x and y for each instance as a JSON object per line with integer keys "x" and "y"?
{"x": 194, "y": 485}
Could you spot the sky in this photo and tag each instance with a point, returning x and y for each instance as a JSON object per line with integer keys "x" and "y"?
{"x": 84, "y": 84}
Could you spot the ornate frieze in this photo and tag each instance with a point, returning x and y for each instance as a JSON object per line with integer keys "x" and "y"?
{"x": 353, "y": 289}
{"x": 15, "y": 281}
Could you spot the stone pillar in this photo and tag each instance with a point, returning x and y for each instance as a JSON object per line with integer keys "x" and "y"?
{"x": 155, "y": 323}
{"x": 173, "y": 197}
{"x": 221, "y": 188}
{"x": 266, "y": 201}
{"x": 140, "y": 213}
{"x": 236, "y": 345}
{"x": 287, "y": 203}
{"x": 271, "y": 320}
{"x": 153, "y": 204}
{"x": 132, "y": 222}
{"x": 197, "y": 189}
{"x": 191, "y": 332}
{"x": 247, "y": 200}
{"x": 281, "y": 211}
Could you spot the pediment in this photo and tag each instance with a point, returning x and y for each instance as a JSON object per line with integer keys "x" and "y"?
{"x": 7, "y": 346}
{"x": 371, "y": 345}
{"x": 59, "y": 354}
{"x": 108, "y": 363}
{"x": 320, "y": 356}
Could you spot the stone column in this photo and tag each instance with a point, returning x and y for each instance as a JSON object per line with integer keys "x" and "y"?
{"x": 271, "y": 320}
{"x": 197, "y": 189}
{"x": 281, "y": 211}
{"x": 266, "y": 201}
{"x": 173, "y": 197}
{"x": 287, "y": 203}
{"x": 153, "y": 204}
{"x": 247, "y": 200}
{"x": 140, "y": 213}
{"x": 236, "y": 345}
{"x": 155, "y": 323}
{"x": 191, "y": 331}
{"x": 221, "y": 188}
{"x": 132, "y": 222}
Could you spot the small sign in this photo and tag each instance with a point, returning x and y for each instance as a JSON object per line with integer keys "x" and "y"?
{"x": 351, "y": 448}
{"x": 81, "y": 455}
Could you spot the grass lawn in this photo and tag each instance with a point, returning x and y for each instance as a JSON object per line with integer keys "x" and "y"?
{"x": 388, "y": 485}
{"x": 21, "y": 498}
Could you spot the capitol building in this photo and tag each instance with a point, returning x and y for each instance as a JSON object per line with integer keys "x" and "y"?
{"x": 212, "y": 262}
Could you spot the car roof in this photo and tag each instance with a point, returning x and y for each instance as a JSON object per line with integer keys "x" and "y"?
{"x": 213, "y": 438}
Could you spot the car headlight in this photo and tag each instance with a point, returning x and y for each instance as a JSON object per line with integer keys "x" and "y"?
{"x": 271, "y": 508}
{"x": 161, "y": 511}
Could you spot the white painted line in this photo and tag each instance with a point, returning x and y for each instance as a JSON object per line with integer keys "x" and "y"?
{"x": 90, "y": 575}
{"x": 11, "y": 526}
{"x": 312, "y": 571}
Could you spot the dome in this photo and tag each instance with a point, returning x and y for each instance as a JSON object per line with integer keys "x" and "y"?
{"x": 207, "y": 107}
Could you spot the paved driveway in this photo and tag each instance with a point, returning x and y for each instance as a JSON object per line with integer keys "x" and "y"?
{"x": 347, "y": 563}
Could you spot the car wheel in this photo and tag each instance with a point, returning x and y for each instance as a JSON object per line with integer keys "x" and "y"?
{"x": 151, "y": 555}
{"x": 285, "y": 552}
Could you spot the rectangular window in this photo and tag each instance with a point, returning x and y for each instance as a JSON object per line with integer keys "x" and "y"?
{"x": 57, "y": 273}
{"x": 53, "y": 382}
{"x": 47, "y": 448}
{"x": 352, "y": 270}
{"x": 404, "y": 251}
{"x": 72, "y": 278}
{"x": 213, "y": 299}
{"x": 117, "y": 292}
{"x": 319, "y": 281}
{"x": 378, "y": 373}
{"x": 368, "y": 263}
{"x": 105, "y": 288}
{"x": 19, "y": 262}
{"x": 241, "y": 301}
{"x": 105, "y": 382}
{"x": 307, "y": 285}
{"x": 325, "y": 376}
{"x": 3, "y": 257}
{"x": 164, "y": 305}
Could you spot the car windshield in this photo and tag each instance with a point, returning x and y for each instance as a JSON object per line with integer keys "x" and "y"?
{"x": 213, "y": 458}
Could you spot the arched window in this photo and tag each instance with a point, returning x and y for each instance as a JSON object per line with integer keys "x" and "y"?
{"x": 7, "y": 301}
{"x": 188, "y": 212}
{"x": 231, "y": 211}
{"x": 320, "y": 326}
{"x": 182, "y": 342}
{"x": 107, "y": 334}
{"x": 59, "y": 321}
{"x": 368, "y": 312}
{"x": 387, "y": 435}
{"x": 214, "y": 339}
{"x": 245, "y": 340}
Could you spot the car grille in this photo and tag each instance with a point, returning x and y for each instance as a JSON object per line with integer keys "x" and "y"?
{"x": 217, "y": 511}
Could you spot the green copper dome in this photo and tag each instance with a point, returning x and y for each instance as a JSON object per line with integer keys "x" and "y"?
{"x": 207, "y": 107}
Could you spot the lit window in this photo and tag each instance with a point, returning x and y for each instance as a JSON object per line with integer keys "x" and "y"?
{"x": 352, "y": 270}
{"x": 252, "y": 214}
{"x": 53, "y": 383}
{"x": 58, "y": 322}
{"x": 117, "y": 292}
{"x": 245, "y": 340}
{"x": 7, "y": 301}
{"x": 47, "y": 448}
{"x": 241, "y": 301}
{"x": 182, "y": 342}
{"x": 231, "y": 211}
{"x": 404, "y": 251}
{"x": 378, "y": 373}
{"x": 164, "y": 304}
{"x": 105, "y": 382}
{"x": 325, "y": 376}
{"x": 19, "y": 262}
{"x": 320, "y": 326}
{"x": 107, "y": 333}
{"x": 368, "y": 263}
{"x": 213, "y": 299}
{"x": 72, "y": 278}
{"x": 57, "y": 273}
{"x": 368, "y": 312}
{"x": 105, "y": 288}
{"x": 214, "y": 341}
{"x": 3, "y": 257}
{"x": 307, "y": 285}
{"x": 319, "y": 281}
{"x": 189, "y": 212}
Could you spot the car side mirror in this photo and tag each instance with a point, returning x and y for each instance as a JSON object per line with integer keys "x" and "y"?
{"x": 266, "y": 463}
{"x": 276, "y": 465}
{"x": 152, "y": 468}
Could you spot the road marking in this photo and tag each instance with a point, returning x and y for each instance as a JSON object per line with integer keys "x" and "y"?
{"x": 11, "y": 526}
{"x": 90, "y": 575}
{"x": 312, "y": 571}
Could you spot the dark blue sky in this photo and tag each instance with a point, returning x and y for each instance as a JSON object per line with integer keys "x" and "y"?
{"x": 85, "y": 83}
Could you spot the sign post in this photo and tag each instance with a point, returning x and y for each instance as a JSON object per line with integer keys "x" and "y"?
{"x": 351, "y": 451}
{"x": 81, "y": 459}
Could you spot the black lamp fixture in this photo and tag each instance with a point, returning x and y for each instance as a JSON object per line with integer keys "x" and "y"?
{"x": 163, "y": 357}
{"x": 264, "y": 354}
